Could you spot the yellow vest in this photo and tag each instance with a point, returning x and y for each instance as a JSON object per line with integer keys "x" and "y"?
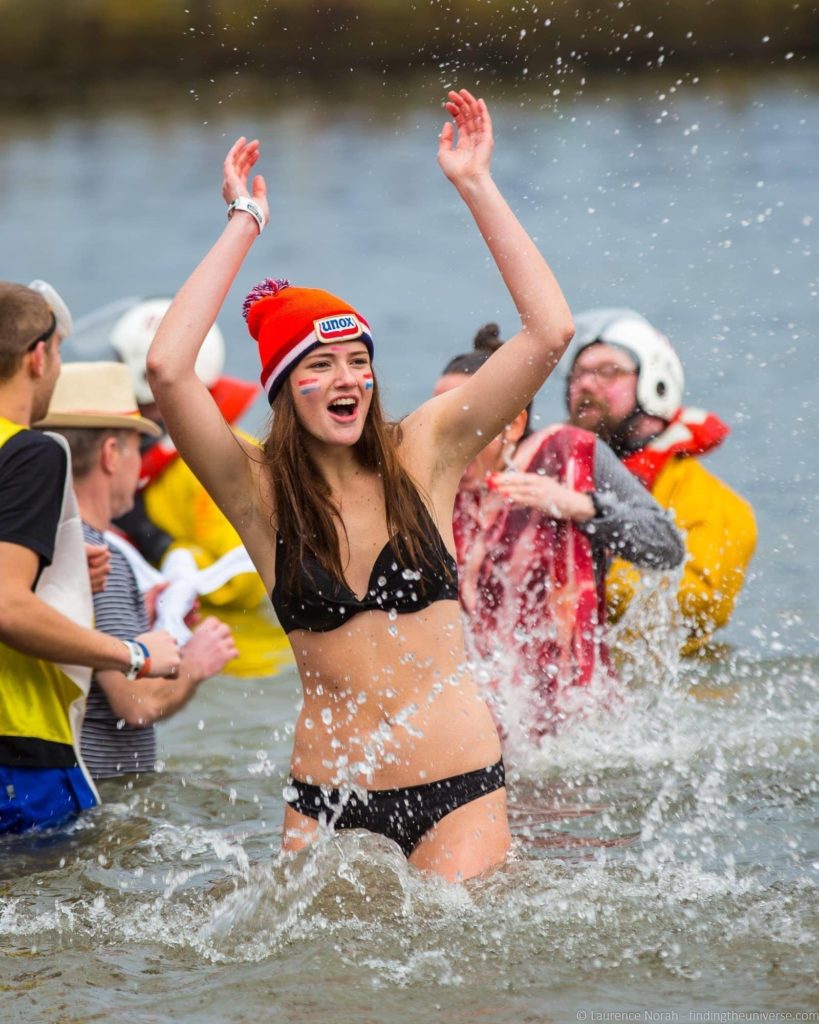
{"x": 720, "y": 538}
{"x": 40, "y": 700}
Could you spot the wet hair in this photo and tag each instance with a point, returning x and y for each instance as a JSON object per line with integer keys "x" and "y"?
{"x": 486, "y": 342}
{"x": 24, "y": 316}
{"x": 305, "y": 511}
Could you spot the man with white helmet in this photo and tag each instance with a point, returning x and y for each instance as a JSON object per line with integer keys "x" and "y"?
{"x": 173, "y": 508}
{"x": 626, "y": 385}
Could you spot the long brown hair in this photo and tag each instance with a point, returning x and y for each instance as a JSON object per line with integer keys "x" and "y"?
{"x": 305, "y": 510}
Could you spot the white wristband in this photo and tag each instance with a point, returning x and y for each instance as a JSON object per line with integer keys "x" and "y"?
{"x": 138, "y": 654}
{"x": 246, "y": 205}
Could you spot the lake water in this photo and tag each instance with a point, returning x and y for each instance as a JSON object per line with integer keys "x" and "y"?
{"x": 666, "y": 857}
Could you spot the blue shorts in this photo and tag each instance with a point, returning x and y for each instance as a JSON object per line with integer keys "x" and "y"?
{"x": 38, "y": 798}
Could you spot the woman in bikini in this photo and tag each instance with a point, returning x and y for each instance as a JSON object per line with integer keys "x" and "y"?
{"x": 348, "y": 519}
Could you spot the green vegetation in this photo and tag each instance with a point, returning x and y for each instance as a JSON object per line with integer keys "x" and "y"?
{"x": 48, "y": 43}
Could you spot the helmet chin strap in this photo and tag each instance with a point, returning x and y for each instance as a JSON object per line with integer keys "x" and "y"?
{"x": 622, "y": 442}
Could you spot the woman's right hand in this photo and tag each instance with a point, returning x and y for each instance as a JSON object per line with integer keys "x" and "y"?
{"x": 163, "y": 651}
{"x": 238, "y": 163}
{"x": 545, "y": 494}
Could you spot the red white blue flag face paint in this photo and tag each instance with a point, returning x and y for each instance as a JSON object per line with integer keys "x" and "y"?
{"x": 368, "y": 381}
{"x": 308, "y": 385}
{"x": 339, "y": 327}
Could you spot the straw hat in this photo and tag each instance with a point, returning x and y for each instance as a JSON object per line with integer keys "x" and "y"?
{"x": 96, "y": 395}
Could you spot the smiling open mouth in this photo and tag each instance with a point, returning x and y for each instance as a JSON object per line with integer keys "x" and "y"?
{"x": 343, "y": 408}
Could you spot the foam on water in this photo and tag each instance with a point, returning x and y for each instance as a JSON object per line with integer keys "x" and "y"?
{"x": 699, "y": 799}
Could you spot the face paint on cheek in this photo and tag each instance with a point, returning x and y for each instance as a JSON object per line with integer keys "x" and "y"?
{"x": 308, "y": 385}
{"x": 368, "y": 381}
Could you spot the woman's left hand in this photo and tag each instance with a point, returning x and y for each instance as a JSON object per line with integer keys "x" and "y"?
{"x": 471, "y": 156}
{"x": 544, "y": 493}
{"x": 238, "y": 164}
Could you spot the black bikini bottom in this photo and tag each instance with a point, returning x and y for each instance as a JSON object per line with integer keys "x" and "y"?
{"x": 403, "y": 815}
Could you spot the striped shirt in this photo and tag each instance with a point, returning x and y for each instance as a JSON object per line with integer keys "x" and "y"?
{"x": 109, "y": 746}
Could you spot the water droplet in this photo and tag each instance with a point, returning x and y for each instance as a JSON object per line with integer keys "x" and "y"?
{"x": 290, "y": 793}
{"x": 382, "y": 581}
{"x": 326, "y": 716}
{"x": 308, "y": 723}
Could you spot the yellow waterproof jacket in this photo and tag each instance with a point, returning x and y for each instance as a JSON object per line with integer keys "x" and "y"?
{"x": 720, "y": 531}
{"x": 178, "y": 504}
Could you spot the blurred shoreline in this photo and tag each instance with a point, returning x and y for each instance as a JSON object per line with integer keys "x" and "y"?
{"x": 50, "y": 49}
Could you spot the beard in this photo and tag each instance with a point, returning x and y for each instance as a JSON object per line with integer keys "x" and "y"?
{"x": 590, "y": 414}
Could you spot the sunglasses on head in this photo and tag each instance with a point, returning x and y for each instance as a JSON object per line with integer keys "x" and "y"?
{"x": 45, "y": 335}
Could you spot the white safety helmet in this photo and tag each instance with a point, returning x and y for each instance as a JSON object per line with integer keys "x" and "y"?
{"x": 62, "y": 314}
{"x": 660, "y": 376}
{"x": 131, "y": 337}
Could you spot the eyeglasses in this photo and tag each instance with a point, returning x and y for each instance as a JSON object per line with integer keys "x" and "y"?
{"x": 45, "y": 335}
{"x": 606, "y": 373}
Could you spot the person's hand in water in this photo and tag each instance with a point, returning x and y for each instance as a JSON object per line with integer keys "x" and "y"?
{"x": 470, "y": 156}
{"x": 545, "y": 493}
{"x": 239, "y": 162}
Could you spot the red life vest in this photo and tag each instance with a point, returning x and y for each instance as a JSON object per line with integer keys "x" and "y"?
{"x": 233, "y": 398}
{"x": 690, "y": 432}
{"x": 535, "y": 610}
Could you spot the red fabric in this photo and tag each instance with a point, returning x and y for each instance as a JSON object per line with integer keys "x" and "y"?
{"x": 690, "y": 432}
{"x": 279, "y": 322}
{"x": 528, "y": 583}
{"x": 233, "y": 397}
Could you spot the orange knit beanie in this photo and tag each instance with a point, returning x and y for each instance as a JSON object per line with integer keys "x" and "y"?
{"x": 289, "y": 322}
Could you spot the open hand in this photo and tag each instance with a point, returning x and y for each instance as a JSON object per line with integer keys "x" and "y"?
{"x": 544, "y": 493}
{"x": 471, "y": 155}
{"x": 240, "y": 160}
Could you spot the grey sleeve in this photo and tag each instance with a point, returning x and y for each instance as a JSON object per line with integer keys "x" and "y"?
{"x": 630, "y": 524}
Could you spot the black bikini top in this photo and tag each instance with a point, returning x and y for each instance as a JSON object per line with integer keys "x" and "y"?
{"x": 394, "y": 585}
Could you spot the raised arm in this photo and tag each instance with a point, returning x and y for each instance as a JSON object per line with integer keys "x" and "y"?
{"x": 464, "y": 419}
{"x": 201, "y": 434}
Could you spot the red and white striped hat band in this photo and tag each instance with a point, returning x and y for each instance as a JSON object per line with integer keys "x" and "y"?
{"x": 288, "y": 323}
